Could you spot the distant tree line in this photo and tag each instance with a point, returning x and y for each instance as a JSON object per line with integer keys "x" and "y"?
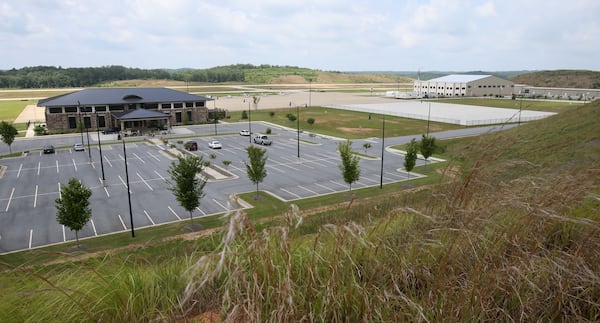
{"x": 58, "y": 77}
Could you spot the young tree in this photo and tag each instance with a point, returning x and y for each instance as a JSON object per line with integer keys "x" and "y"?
{"x": 427, "y": 146}
{"x": 244, "y": 115}
{"x": 310, "y": 121}
{"x": 226, "y": 163}
{"x": 256, "y": 169}
{"x": 271, "y": 114}
{"x": 185, "y": 185}
{"x": 410, "y": 159}
{"x": 72, "y": 207}
{"x": 8, "y": 132}
{"x": 349, "y": 167}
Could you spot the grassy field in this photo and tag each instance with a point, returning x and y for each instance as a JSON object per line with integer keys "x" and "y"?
{"x": 10, "y": 110}
{"x": 345, "y": 124}
{"x": 488, "y": 236}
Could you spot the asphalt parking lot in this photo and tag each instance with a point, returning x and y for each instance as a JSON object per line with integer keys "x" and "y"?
{"x": 30, "y": 184}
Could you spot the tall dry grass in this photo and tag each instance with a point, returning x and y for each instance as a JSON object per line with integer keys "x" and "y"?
{"x": 476, "y": 249}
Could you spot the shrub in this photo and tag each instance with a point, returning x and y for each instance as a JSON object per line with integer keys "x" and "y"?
{"x": 268, "y": 132}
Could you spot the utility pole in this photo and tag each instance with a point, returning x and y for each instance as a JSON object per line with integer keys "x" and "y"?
{"x": 100, "y": 149}
{"x": 128, "y": 190}
{"x": 382, "y": 150}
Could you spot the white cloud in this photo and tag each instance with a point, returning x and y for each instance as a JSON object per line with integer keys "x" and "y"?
{"x": 323, "y": 34}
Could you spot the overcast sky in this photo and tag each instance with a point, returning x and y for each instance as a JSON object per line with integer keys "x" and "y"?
{"x": 331, "y": 35}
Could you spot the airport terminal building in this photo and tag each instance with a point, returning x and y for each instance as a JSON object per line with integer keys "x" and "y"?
{"x": 459, "y": 85}
{"x": 124, "y": 109}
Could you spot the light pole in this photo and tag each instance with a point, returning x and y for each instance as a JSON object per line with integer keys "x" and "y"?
{"x": 128, "y": 191}
{"x": 80, "y": 123}
{"x": 249, "y": 124}
{"x": 298, "y": 128}
{"x": 428, "y": 118}
{"x": 100, "y": 149}
{"x": 87, "y": 133}
{"x": 382, "y": 150}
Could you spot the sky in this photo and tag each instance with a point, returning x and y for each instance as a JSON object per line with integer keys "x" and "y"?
{"x": 329, "y": 35}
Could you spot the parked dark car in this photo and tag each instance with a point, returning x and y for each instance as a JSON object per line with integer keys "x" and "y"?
{"x": 191, "y": 145}
{"x": 49, "y": 149}
{"x": 108, "y": 131}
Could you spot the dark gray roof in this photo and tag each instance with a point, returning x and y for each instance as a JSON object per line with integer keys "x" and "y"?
{"x": 119, "y": 96}
{"x": 140, "y": 114}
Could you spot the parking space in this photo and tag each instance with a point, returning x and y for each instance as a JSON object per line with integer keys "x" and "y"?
{"x": 31, "y": 184}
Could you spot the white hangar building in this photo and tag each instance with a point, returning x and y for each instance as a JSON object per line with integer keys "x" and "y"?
{"x": 458, "y": 85}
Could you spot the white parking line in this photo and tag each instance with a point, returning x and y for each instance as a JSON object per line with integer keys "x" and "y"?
{"x": 173, "y": 212}
{"x": 19, "y": 172}
{"x": 369, "y": 180}
{"x": 124, "y": 184}
{"x": 39, "y": 167}
{"x": 108, "y": 161}
{"x": 336, "y": 183}
{"x": 59, "y": 191}
{"x": 159, "y": 175}
{"x": 93, "y": 165}
{"x": 140, "y": 176}
{"x": 74, "y": 165}
{"x": 151, "y": 155}
{"x": 325, "y": 187}
{"x": 200, "y": 211}
{"x": 94, "y": 227}
{"x": 105, "y": 190}
{"x": 309, "y": 190}
{"x": 138, "y": 157}
{"x": 57, "y": 166}
{"x": 10, "y": 198}
{"x": 149, "y": 218}
{"x": 297, "y": 162}
{"x": 275, "y": 168}
{"x": 35, "y": 197}
{"x": 64, "y": 235}
{"x": 30, "y": 237}
{"x": 221, "y": 205}
{"x": 122, "y": 223}
{"x": 291, "y": 193}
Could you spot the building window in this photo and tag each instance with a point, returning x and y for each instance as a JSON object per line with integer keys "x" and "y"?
{"x": 101, "y": 122}
{"x": 189, "y": 104}
{"x": 72, "y": 122}
{"x": 151, "y": 106}
{"x": 189, "y": 116}
{"x": 131, "y": 106}
{"x": 100, "y": 109}
{"x": 87, "y": 122}
{"x": 178, "y": 117}
{"x": 115, "y": 107}
{"x": 54, "y": 110}
{"x": 71, "y": 109}
{"x": 85, "y": 109}
{"x": 200, "y": 104}
{"x": 166, "y": 105}
{"x": 177, "y": 105}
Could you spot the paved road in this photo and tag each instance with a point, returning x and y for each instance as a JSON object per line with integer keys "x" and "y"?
{"x": 32, "y": 183}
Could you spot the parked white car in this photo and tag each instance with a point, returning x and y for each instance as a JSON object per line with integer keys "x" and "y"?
{"x": 244, "y": 133}
{"x": 215, "y": 145}
{"x": 78, "y": 147}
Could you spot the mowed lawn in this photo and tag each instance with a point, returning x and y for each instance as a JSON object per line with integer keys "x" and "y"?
{"x": 10, "y": 110}
{"x": 345, "y": 124}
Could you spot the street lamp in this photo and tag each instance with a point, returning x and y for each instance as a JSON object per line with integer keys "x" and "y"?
{"x": 382, "y": 149}
{"x": 298, "y": 127}
{"x": 100, "y": 149}
{"x": 87, "y": 133}
{"x": 249, "y": 124}
{"x": 128, "y": 190}
{"x": 80, "y": 123}
{"x": 428, "y": 118}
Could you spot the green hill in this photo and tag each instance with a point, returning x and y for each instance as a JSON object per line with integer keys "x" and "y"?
{"x": 560, "y": 78}
{"x": 510, "y": 233}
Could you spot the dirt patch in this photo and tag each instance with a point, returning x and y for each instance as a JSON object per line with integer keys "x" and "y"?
{"x": 355, "y": 130}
